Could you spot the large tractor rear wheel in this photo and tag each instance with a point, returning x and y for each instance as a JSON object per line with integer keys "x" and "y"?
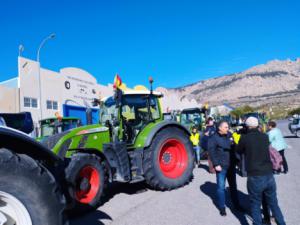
{"x": 169, "y": 161}
{"x": 86, "y": 179}
{"x": 29, "y": 194}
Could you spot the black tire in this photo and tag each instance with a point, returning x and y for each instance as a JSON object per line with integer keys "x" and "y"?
{"x": 34, "y": 186}
{"x": 78, "y": 162}
{"x": 297, "y": 133}
{"x": 154, "y": 175}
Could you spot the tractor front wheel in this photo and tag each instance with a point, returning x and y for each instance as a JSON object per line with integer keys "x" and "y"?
{"x": 86, "y": 178}
{"x": 169, "y": 161}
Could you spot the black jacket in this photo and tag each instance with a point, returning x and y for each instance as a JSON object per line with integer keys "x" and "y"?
{"x": 255, "y": 146}
{"x": 204, "y": 140}
{"x": 220, "y": 150}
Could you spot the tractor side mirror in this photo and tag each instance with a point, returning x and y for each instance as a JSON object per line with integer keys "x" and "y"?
{"x": 95, "y": 102}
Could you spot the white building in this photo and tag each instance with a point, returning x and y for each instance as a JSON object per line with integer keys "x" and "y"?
{"x": 68, "y": 92}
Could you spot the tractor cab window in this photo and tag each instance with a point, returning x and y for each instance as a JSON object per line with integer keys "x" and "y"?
{"x": 140, "y": 108}
{"x": 47, "y": 130}
{"x": 69, "y": 124}
{"x": 137, "y": 111}
{"x": 107, "y": 110}
{"x": 193, "y": 118}
{"x": 54, "y": 126}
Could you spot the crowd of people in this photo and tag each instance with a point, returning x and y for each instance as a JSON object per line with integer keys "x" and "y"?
{"x": 249, "y": 148}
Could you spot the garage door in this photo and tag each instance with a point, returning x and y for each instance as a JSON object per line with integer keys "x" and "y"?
{"x": 80, "y": 112}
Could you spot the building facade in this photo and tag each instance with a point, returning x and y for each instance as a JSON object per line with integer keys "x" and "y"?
{"x": 44, "y": 92}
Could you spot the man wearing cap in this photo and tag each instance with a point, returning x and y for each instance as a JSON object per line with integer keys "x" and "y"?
{"x": 255, "y": 146}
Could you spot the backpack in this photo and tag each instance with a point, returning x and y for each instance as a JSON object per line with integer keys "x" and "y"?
{"x": 276, "y": 158}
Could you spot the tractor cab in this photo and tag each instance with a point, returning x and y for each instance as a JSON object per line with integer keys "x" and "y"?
{"x": 55, "y": 125}
{"x": 137, "y": 108}
{"x": 192, "y": 117}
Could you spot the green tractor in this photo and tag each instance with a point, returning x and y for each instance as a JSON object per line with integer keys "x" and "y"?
{"x": 131, "y": 143}
{"x": 56, "y": 125}
{"x": 193, "y": 117}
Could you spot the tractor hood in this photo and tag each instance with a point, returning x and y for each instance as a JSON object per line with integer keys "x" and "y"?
{"x": 90, "y": 136}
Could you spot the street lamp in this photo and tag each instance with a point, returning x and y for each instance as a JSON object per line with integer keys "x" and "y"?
{"x": 51, "y": 36}
{"x": 21, "y": 49}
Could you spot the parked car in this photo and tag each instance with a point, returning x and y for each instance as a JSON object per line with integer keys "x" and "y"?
{"x": 294, "y": 126}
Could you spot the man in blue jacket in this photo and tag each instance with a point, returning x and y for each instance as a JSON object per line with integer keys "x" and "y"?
{"x": 221, "y": 152}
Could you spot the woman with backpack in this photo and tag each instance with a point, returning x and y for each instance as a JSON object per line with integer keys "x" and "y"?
{"x": 277, "y": 142}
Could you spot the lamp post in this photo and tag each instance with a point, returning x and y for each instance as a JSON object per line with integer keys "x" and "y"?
{"x": 51, "y": 36}
{"x": 21, "y": 49}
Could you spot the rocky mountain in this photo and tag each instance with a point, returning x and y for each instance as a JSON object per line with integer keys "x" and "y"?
{"x": 274, "y": 83}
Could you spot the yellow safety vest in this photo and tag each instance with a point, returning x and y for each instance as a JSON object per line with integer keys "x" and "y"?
{"x": 195, "y": 139}
{"x": 236, "y": 137}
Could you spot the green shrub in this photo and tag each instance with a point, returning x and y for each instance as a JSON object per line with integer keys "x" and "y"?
{"x": 294, "y": 111}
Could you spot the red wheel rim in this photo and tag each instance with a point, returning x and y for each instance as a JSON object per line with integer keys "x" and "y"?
{"x": 173, "y": 158}
{"x": 91, "y": 179}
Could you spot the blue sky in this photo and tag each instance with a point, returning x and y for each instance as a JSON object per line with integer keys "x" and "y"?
{"x": 177, "y": 42}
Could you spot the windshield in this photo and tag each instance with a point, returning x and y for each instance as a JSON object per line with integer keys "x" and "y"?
{"x": 54, "y": 126}
{"x": 135, "y": 107}
{"x": 193, "y": 118}
{"x": 47, "y": 130}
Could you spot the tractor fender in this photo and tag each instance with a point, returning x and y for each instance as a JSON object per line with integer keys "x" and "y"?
{"x": 116, "y": 160}
{"x": 163, "y": 125}
{"x": 22, "y": 143}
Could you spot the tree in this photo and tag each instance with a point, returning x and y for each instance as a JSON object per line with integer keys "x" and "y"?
{"x": 239, "y": 111}
{"x": 294, "y": 111}
{"x": 247, "y": 109}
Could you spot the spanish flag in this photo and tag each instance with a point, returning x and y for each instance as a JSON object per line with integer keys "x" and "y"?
{"x": 117, "y": 82}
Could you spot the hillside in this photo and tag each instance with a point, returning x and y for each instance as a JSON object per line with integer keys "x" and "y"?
{"x": 274, "y": 83}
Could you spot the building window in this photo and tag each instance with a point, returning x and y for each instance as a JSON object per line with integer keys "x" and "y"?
{"x": 34, "y": 103}
{"x": 55, "y": 105}
{"x": 30, "y": 102}
{"x": 26, "y": 102}
{"x": 49, "y": 104}
{"x": 52, "y": 105}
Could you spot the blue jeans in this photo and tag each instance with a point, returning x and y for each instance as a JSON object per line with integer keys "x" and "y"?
{"x": 257, "y": 186}
{"x": 221, "y": 178}
{"x": 197, "y": 150}
{"x": 230, "y": 175}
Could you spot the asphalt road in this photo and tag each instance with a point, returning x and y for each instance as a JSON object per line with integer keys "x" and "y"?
{"x": 134, "y": 204}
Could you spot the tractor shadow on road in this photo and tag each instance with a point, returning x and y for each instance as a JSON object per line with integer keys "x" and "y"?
{"x": 210, "y": 189}
{"x": 125, "y": 188}
{"x": 95, "y": 217}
